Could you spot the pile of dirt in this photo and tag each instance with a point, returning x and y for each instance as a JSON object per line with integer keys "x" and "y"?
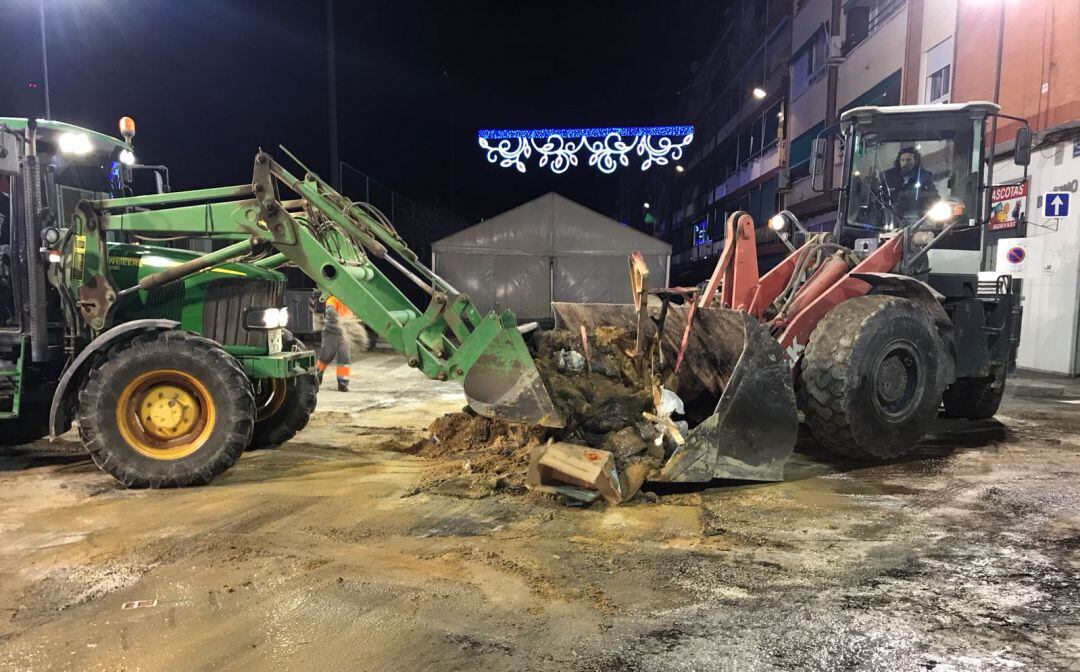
{"x": 602, "y": 395}
{"x": 477, "y": 456}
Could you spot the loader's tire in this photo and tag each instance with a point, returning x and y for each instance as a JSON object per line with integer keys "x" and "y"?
{"x": 869, "y": 381}
{"x": 972, "y": 398}
{"x": 283, "y": 406}
{"x": 168, "y": 409}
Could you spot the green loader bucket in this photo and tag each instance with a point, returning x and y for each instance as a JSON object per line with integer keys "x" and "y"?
{"x": 735, "y": 383}
{"x": 505, "y": 384}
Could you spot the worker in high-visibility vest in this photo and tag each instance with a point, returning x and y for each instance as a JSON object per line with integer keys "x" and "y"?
{"x": 335, "y": 343}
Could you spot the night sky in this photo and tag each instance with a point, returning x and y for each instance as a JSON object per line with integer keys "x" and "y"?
{"x": 209, "y": 81}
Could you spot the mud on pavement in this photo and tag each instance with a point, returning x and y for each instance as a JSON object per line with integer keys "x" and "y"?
{"x": 323, "y": 555}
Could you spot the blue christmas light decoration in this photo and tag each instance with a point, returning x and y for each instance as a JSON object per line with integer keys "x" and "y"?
{"x": 608, "y": 147}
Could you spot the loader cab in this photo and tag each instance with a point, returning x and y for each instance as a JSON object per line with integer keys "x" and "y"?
{"x": 900, "y": 161}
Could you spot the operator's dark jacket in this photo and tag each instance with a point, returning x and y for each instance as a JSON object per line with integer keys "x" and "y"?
{"x": 919, "y": 182}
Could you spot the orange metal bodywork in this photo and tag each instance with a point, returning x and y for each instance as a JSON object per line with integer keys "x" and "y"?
{"x": 736, "y": 272}
{"x": 735, "y": 279}
{"x": 799, "y": 326}
{"x": 824, "y": 277}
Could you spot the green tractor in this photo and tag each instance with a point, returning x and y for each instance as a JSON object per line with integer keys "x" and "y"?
{"x": 174, "y": 361}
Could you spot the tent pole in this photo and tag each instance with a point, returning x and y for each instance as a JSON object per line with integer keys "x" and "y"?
{"x": 551, "y": 286}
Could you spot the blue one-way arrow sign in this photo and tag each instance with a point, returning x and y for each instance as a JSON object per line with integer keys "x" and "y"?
{"x": 1056, "y": 204}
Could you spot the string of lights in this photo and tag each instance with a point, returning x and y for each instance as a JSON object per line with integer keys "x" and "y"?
{"x": 608, "y": 148}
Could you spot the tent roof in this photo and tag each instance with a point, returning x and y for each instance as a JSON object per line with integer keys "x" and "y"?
{"x": 550, "y": 224}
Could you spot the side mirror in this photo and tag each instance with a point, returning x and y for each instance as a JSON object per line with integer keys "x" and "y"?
{"x": 1022, "y": 151}
{"x": 817, "y": 157}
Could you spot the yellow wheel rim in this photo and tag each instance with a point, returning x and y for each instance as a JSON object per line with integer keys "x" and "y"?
{"x": 165, "y": 414}
{"x": 275, "y": 393}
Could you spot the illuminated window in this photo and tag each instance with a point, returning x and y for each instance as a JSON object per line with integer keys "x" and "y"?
{"x": 701, "y": 233}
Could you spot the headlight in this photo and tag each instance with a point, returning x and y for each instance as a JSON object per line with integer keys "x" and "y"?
{"x": 778, "y": 223}
{"x": 266, "y": 318}
{"x": 943, "y": 211}
{"x": 127, "y": 157}
{"x": 75, "y": 143}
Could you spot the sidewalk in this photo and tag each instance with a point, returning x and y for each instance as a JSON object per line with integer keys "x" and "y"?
{"x": 1046, "y": 385}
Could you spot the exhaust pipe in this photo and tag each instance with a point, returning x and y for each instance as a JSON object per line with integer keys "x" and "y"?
{"x": 35, "y": 268}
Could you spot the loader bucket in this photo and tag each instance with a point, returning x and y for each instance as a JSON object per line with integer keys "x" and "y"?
{"x": 734, "y": 380}
{"x": 505, "y": 384}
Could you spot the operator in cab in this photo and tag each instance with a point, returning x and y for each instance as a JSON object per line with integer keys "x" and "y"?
{"x": 909, "y": 188}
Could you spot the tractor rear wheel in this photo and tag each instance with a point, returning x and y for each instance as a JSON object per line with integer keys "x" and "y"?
{"x": 283, "y": 406}
{"x": 168, "y": 409}
{"x": 870, "y": 379}
{"x": 973, "y": 398}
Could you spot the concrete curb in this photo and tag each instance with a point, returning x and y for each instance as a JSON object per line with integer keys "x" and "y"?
{"x": 1034, "y": 389}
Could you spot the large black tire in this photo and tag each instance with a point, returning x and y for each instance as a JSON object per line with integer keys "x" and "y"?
{"x": 870, "y": 380}
{"x": 168, "y": 409}
{"x": 973, "y": 398}
{"x": 284, "y": 406}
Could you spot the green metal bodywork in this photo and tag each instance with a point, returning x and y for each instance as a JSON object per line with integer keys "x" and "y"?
{"x": 107, "y": 276}
{"x": 48, "y": 128}
{"x": 129, "y": 263}
{"x": 14, "y": 377}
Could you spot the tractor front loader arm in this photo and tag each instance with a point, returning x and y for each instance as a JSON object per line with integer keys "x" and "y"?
{"x": 448, "y": 340}
{"x": 333, "y": 240}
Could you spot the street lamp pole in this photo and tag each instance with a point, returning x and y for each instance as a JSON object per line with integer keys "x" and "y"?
{"x": 335, "y": 165}
{"x": 45, "y": 60}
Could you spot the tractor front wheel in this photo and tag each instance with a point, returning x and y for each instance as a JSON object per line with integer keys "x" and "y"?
{"x": 168, "y": 409}
{"x": 870, "y": 380}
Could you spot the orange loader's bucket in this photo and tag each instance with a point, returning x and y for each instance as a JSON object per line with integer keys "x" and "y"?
{"x": 735, "y": 383}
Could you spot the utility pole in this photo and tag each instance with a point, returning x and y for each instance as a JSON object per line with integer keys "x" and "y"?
{"x": 45, "y": 60}
{"x": 832, "y": 87}
{"x": 331, "y": 78}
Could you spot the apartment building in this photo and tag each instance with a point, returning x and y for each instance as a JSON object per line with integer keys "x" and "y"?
{"x": 736, "y": 99}
{"x": 813, "y": 59}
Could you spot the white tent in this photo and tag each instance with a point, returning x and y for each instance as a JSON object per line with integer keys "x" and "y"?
{"x": 548, "y": 249}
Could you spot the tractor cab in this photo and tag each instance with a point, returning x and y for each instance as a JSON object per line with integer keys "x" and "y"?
{"x": 72, "y": 164}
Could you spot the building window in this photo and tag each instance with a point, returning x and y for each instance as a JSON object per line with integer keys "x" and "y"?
{"x": 937, "y": 86}
{"x": 808, "y": 63}
{"x": 938, "y": 69}
{"x": 701, "y": 233}
{"x": 863, "y": 17}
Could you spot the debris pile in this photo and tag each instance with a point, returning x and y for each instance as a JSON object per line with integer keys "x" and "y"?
{"x": 477, "y": 456}
{"x": 609, "y": 404}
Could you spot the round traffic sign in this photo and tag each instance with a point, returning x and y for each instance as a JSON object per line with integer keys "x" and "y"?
{"x": 1016, "y": 255}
